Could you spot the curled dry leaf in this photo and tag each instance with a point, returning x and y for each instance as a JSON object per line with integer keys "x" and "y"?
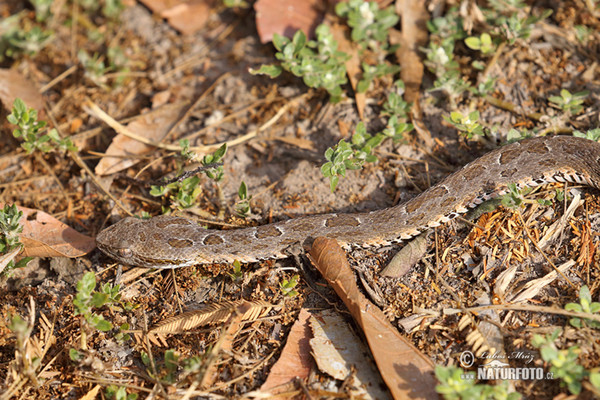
{"x": 123, "y": 151}
{"x": 45, "y": 236}
{"x": 406, "y": 371}
{"x": 406, "y": 258}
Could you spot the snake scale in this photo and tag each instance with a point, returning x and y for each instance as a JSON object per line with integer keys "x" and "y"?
{"x": 171, "y": 242}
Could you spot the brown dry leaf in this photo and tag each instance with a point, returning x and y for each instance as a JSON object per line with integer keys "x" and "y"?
{"x": 353, "y": 68}
{"x": 122, "y": 152}
{"x": 295, "y": 360}
{"x": 407, "y": 257}
{"x": 414, "y": 35}
{"x": 337, "y": 350}
{"x": 8, "y": 257}
{"x": 91, "y": 395}
{"x": 285, "y": 17}
{"x": 304, "y": 144}
{"x": 13, "y": 85}
{"x": 406, "y": 371}
{"x": 212, "y": 314}
{"x": 45, "y": 236}
{"x": 185, "y": 16}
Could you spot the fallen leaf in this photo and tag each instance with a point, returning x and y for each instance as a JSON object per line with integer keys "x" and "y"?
{"x": 14, "y": 85}
{"x": 337, "y": 350}
{"x": 123, "y": 152}
{"x": 406, "y": 258}
{"x": 414, "y": 36}
{"x": 8, "y": 257}
{"x": 285, "y": 17}
{"x": 353, "y": 68}
{"x": 295, "y": 360}
{"x": 45, "y": 236}
{"x": 185, "y": 16}
{"x": 406, "y": 371}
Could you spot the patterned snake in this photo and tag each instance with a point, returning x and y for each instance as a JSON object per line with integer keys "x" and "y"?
{"x": 172, "y": 242}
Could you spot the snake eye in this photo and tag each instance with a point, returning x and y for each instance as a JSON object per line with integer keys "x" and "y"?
{"x": 125, "y": 253}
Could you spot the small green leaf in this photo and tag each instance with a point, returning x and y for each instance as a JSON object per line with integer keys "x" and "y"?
{"x": 273, "y": 71}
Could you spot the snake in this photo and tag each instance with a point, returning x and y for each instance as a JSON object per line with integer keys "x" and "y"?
{"x": 173, "y": 241}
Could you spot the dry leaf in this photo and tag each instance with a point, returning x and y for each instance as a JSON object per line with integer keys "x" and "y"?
{"x": 295, "y": 360}
{"x": 285, "y": 17}
{"x": 407, "y": 257}
{"x": 122, "y": 152}
{"x": 185, "y": 16}
{"x": 406, "y": 371}
{"x": 6, "y": 258}
{"x": 45, "y": 236}
{"x": 414, "y": 36}
{"x": 212, "y": 314}
{"x": 353, "y": 68}
{"x": 337, "y": 350}
{"x": 13, "y": 85}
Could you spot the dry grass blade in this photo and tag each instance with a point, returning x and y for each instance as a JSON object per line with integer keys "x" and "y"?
{"x": 213, "y": 314}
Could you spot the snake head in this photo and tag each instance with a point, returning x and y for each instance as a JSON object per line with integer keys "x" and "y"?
{"x": 159, "y": 242}
{"x": 116, "y": 240}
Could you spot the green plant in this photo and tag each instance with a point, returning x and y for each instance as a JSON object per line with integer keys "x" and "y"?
{"x": 215, "y": 173}
{"x": 235, "y": 4}
{"x": 467, "y": 125}
{"x": 242, "y": 207}
{"x": 395, "y": 104}
{"x": 287, "y": 286}
{"x": 237, "y": 272}
{"x": 87, "y": 299}
{"x": 94, "y": 67}
{"x": 371, "y": 72}
{"x": 514, "y": 27}
{"x": 514, "y": 197}
{"x": 514, "y": 135}
{"x": 170, "y": 364}
{"x": 33, "y": 133}
{"x": 585, "y": 305}
{"x": 318, "y": 63}
{"x": 110, "y": 8}
{"x": 569, "y": 103}
{"x": 370, "y": 25}
{"x": 42, "y": 9}
{"x": 592, "y": 134}
{"x": 16, "y": 40}
{"x": 564, "y": 363}
{"x": 482, "y": 43}
{"x": 119, "y": 393}
{"x": 352, "y": 156}
{"x": 583, "y": 33}
{"x": 345, "y": 156}
{"x": 440, "y": 61}
{"x": 10, "y": 228}
{"x": 456, "y": 384}
{"x": 183, "y": 194}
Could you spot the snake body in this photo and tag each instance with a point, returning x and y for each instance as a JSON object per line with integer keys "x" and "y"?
{"x": 171, "y": 242}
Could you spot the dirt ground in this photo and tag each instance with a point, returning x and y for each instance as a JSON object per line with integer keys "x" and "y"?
{"x": 281, "y": 168}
